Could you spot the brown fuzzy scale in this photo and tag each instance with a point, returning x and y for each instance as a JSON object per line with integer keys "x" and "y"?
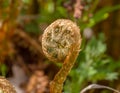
{"x": 58, "y": 38}
{"x": 5, "y": 86}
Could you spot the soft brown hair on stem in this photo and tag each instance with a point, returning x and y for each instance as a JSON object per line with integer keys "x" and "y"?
{"x": 61, "y": 43}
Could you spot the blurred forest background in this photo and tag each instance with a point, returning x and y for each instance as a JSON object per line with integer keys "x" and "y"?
{"x": 22, "y": 61}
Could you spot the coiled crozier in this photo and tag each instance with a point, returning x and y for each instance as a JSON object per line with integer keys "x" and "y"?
{"x": 58, "y": 38}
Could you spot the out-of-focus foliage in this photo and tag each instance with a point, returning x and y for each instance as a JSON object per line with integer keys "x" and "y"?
{"x": 3, "y": 69}
{"x": 8, "y": 14}
{"x": 92, "y": 65}
{"x": 97, "y": 17}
